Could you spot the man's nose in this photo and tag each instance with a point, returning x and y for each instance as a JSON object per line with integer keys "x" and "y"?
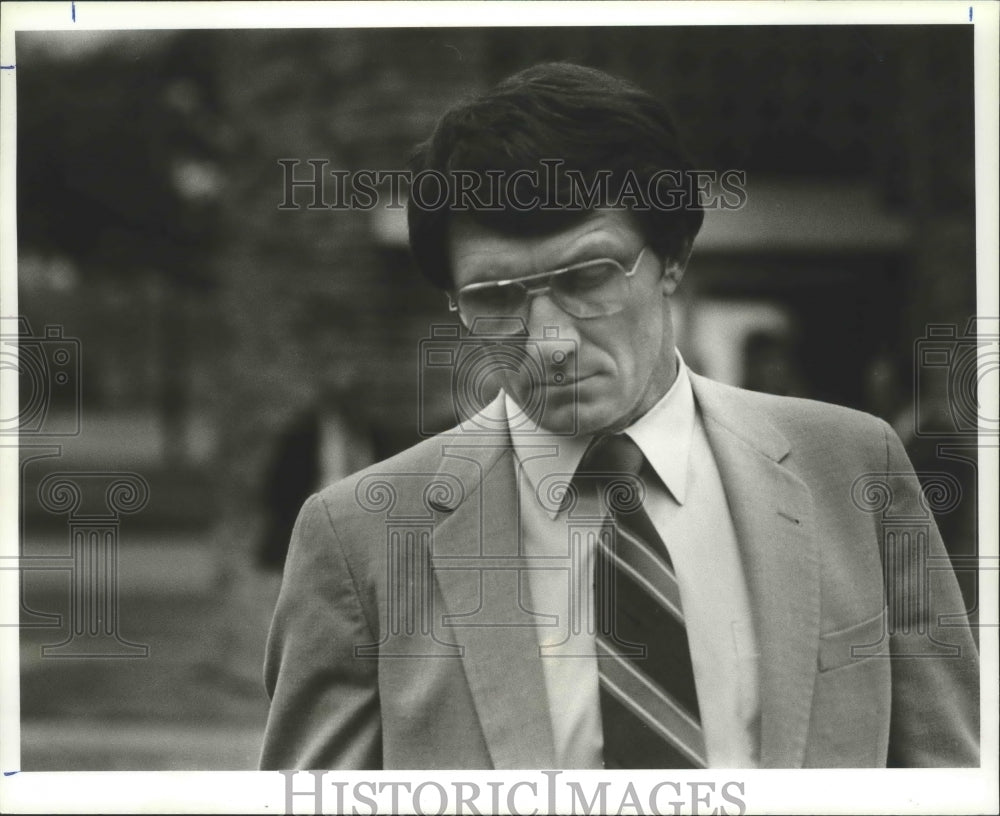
{"x": 544, "y": 314}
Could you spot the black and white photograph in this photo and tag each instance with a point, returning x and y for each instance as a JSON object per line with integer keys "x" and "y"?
{"x": 499, "y": 408}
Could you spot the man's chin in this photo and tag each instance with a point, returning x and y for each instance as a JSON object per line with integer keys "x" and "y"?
{"x": 558, "y": 416}
{"x": 560, "y": 419}
{"x": 571, "y": 420}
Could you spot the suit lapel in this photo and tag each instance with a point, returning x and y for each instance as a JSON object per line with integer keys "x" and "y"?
{"x": 772, "y": 513}
{"x": 479, "y": 531}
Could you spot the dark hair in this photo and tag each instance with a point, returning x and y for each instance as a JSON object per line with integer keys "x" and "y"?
{"x": 589, "y": 121}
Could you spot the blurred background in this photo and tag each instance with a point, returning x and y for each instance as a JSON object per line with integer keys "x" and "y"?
{"x": 235, "y": 355}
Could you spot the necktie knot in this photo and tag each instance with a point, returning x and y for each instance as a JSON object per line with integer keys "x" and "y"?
{"x": 610, "y": 468}
{"x": 612, "y": 454}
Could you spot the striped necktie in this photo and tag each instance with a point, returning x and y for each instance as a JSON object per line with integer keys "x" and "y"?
{"x": 649, "y": 705}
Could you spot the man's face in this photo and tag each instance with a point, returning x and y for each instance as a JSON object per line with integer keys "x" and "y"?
{"x": 624, "y": 362}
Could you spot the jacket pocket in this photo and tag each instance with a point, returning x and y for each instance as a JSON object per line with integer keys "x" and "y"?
{"x": 856, "y": 642}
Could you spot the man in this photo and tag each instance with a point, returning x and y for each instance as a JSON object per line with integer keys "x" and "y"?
{"x": 618, "y": 563}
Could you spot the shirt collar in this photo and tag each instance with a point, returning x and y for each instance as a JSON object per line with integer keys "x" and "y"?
{"x": 663, "y": 434}
{"x": 665, "y": 431}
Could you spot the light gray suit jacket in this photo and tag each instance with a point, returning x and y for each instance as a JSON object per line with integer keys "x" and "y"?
{"x": 397, "y": 642}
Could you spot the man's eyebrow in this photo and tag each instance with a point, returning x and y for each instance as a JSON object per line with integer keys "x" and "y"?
{"x": 600, "y": 247}
{"x": 488, "y": 269}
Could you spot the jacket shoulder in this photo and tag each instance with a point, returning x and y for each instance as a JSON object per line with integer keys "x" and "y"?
{"x": 793, "y": 411}
{"x": 780, "y": 423}
{"x": 420, "y": 460}
{"x": 798, "y": 411}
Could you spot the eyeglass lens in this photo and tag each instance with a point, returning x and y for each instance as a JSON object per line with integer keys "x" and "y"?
{"x": 592, "y": 289}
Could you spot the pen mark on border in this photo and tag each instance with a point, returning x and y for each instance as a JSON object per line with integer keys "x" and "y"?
{"x": 72, "y": 7}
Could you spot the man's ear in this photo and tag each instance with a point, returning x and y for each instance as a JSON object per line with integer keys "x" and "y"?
{"x": 673, "y": 269}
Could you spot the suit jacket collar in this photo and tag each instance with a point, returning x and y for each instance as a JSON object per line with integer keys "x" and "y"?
{"x": 772, "y": 510}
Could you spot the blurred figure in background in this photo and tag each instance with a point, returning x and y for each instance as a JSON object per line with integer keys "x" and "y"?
{"x": 323, "y": 443}
{"x": 327, "y": 440}
{"x": 291, "y": 476}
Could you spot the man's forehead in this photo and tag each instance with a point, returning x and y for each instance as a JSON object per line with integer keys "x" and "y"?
{"x": 478, "y": 252}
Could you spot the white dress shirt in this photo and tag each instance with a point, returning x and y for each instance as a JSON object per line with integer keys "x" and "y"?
{"x": 690, "y": 512}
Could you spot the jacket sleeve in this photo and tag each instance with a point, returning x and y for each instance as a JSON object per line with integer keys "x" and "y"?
{"x": 324, "y": 702}
{"x": 935, "y": 663}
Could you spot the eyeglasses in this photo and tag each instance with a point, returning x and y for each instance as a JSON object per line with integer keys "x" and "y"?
{"x": 595, "y": 288}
